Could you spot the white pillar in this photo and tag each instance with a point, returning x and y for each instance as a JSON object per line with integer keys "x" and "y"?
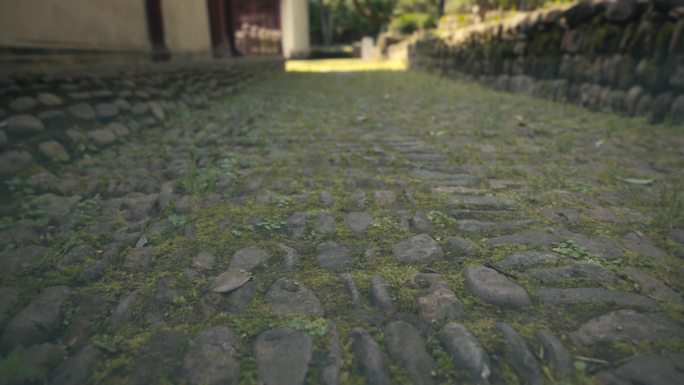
{"x": 294, "y": 22}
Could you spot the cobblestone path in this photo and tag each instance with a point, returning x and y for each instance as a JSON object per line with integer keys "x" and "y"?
{"x": 377, "y": 228}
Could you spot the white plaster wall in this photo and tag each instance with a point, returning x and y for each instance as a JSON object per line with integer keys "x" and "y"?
{"x": 294, "y": 21}
{"x": 78, "y": 24}
{"x": 186, "y": 26}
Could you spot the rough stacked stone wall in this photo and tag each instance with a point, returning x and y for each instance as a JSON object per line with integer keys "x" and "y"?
{"x": 48, "y": 118}
{"x": 626, "y": 56}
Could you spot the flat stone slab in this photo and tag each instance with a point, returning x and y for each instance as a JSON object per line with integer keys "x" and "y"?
{"x": 583, "y": 271}
{"x": 248, "y": 259}
{"x": 651, "y": 369}
{"x": 492, "y": 287}
{"x": 358, "y": 222}
{"x": 555, "y": 354}
{"x": 472, "y": 226}
{"x": 439, "y": 305}
{"x": 601, "y": 246}
{"x": 333, "y": 257}
{"x": 482, "y": 202}
{"x": 39, "y": 321}
{"x": 466, "y": 351}
{"x": 580, "y": 295}
{"x": 418, "y": 248}
{"x": 652, "y": 287}
{"x": 368, "y": 357}
{"x": 287, "y": 296}
{"x": 525, "y": 238}
{"x": 525, "y": 259}
{"x": 643, "y": 245}
{"x": 406, "y": 347}
{"x": 627, "y": 326}
{"x": 460, "y": 246}
{"x": 282, "y": 356}
{"x": 381, "y": 295}
{"x": 522, "y": 360}
{"x": 212, "y": 358}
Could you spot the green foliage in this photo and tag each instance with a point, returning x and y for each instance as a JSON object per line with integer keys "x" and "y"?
{"x": 317, "y": 327}
{"x": 407, "y": 23}
{"x": 177, "y": 220}
{"x": 14, "y": 368}
{"x": 571, "y": 249}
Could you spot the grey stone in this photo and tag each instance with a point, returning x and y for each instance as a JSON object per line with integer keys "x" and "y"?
{"x": 650, "y": 369}
{"x": 212, "y": 358}
{"x": 20, "y": 233}
{"x": 24, "y": 125}
{"x": 287, "y": 296}
{"x": 77, "y": 369}
{"x": 23, "y": 103}
{"x": 165, "y": 298}
{"x": 333, "y": 359}
{"x": 140, "y": 108}
{"x": 466, "y": 352}
{"x": 652, "y": 287}
{"x": 524, "y": 363}
{"x": 525, "y": 259}
{"x": 351, "y": 287}
{"x": 158, "y": 360}
{"x": 327, "y": 199}
{"x": 203, "y": 261}
{"x": 20, "y": 258}
{"x": 138, "y": 260}
{"x": 482, "y": 202}
{"x": 265, "y": 197}
{"x": 76, "y": 255}
{"x": 368, "y": 358}
{"x": 38, "y": 322}
{"x": 282, "y": 356}
{"x": 583, "y": 271}
{"x": 296, "y": 224}
{"x": 385, "y": 198}
{"x": 325, "y": 224}
{"x": 54, "y": 151}
{"x": 8, "y": 296}
{"x": 471, "y": 226}
{"x": 418, "y": 248}
{"x": 627, "y": 326}
{"x": 381, "y": 295}
{"x": 561, "y": 215}
{"x": 525, "y": 238}
{"x": 358, "y": 222}
{"x": 420, "y": 223}
{"x": 492, "y": 287}
{"x": 102, "y": 137}
{"x": 622, "y": 10}
{"x": 3, "y": 139}
{"x": 291, "y": 257}
{"x": 460, "y": 246}
{"x": 122, "y": 104}
{"x": 642, "y": 244}
{"x": 407, "y": 348}
{"x": 440, "y": 305}
{"x": 571, "y": 296}
{"x": 49, "y": 100}
{"x": 157, "y": 111}
{"x": 248, "y": 259}
{"x": 677, "y": 109}
{"x": 555, "y": 354}
{"x": 106, "y": 110}
{"x": 82, "y": 111}
{"x": 123, "y": 312}
{"x": 333, "y": 257}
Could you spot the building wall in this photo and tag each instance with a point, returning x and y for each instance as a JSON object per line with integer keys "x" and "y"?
{"x": 186, "y": 26}
{"x": 295, "y": 28}
{"x": 74, "y": 24}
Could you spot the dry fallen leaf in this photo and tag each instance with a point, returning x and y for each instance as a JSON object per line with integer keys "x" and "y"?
{"x": 229, "y": 281}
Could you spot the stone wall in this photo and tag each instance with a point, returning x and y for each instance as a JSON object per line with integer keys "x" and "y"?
{"x": 626, "y": 56}
{"x": 47, "y": 119}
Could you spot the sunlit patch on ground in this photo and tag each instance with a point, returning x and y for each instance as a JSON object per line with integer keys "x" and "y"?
{"x": 344, "y": 65}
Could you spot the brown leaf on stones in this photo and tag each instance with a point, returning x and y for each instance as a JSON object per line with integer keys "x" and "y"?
{"x": 229, "y": 281}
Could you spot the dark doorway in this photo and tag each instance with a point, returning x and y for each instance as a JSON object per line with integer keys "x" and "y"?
{"x": 221, "y": 28}
{"x": 155, "y": 26}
